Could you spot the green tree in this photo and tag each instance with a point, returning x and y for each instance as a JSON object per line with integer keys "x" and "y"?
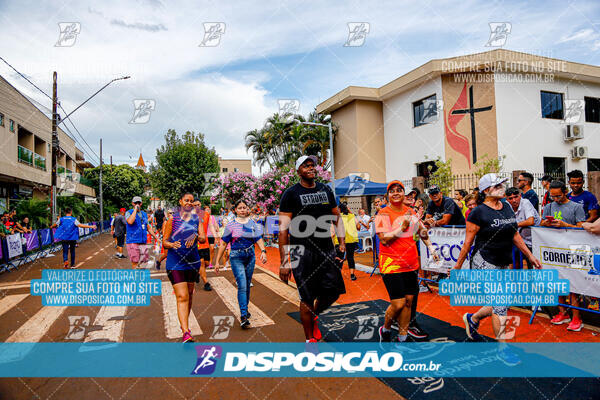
{"x": 442, "y": 175}
{"x": 181, "y": 164}
{"x": 282, "y": 140}
{"x": 120, "y": 183}
{"x": 486, "y": 165}
{"x": 38, "y": 212}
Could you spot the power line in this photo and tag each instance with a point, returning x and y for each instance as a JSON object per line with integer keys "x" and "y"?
{"x": 61, "y": 107}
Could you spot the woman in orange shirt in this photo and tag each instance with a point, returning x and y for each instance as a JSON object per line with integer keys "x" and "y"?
{"x": 398, "y": 259}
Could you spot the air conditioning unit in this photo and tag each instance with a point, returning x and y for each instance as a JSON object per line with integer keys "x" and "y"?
{"x": 578, "y": 152}
{"x": 573, "y": 132}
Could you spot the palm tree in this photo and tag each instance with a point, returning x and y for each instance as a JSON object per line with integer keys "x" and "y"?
{"x": 257, "y": 142}
{"x": 317, "y": 137}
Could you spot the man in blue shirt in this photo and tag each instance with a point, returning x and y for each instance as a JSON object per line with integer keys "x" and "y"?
{"x": 137, "y": 233}
{"x": 67, "y": 231}
{"x": 524, "y": 183}
{"x": 583, "y": 197}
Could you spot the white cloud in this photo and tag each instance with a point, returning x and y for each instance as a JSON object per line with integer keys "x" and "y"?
{"x": 157, "y": 44}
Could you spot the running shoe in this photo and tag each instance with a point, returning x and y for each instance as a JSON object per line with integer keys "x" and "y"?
{"x": 471, "y": 327}
{"x": 594, "y": 305}
{"x": 576, "y": 325}
{"x": 353, "y": 277}
{"x": 66, "y": 264}
{"x": 245, "y": 323}
{"x": 560, "y": 319}
{"x": 384, "y": 336}
{"x": 210, "y": 266}
{"x": 508, "y": 357}
{"x": 415, "y": 331}
{"x": 248, "y": 315}
{"x": 187, "y": 337}
{"x": 157, "y": 264}
{"x": 207, "y": 287}
{"x": 423, "y": 289}
{"x": 316, "y": 331}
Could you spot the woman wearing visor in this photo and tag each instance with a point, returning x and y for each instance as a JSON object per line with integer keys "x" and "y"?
{"x": 493, "y": 227}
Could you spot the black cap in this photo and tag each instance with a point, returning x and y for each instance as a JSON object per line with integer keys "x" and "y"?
{"x": 433, "y": 189}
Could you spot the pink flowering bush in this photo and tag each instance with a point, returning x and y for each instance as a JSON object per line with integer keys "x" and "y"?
{"x": 265, "y": 191}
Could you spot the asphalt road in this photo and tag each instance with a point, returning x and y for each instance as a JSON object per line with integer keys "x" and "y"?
{"x": 24, "y": 319}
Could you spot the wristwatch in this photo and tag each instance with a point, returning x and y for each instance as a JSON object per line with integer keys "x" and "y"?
{"x": 264, "y": 251}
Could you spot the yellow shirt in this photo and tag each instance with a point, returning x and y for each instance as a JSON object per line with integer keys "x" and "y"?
{"x": 350, "y": 228}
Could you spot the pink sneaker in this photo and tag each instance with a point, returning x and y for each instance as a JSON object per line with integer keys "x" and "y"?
{"x": 560, "y": 319}
{"x": 576, "y": 325}
{"x": 187, "y": 337}
{"x": 210, "y": 266}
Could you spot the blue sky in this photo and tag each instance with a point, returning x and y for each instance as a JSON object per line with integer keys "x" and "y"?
{"x": 283, "y": 50}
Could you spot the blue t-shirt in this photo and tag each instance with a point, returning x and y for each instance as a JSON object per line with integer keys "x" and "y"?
{"x": 137, "y": 232}
{"x": 242, "y": 236}
{"x": 183, "y": 258}
{"x": 587, "y": 200}
{"x": 67, "y": 228}
{"x": 533, "y": 198}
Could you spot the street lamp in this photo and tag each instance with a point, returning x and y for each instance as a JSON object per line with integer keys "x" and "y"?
{"x": 328, "y": 125}
{"x": 55, "y": 143}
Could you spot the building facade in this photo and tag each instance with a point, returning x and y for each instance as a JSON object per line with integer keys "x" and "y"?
{"x": 235, "y": 165}
{"x": 538, "y": 114}
{"x": 26, "y": 152}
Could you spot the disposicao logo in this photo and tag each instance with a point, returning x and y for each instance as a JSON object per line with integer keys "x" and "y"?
{"x": 207, "y": 359}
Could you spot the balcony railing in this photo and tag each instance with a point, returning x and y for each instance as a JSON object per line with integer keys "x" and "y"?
{"x": 86, "y": 182}
{"x": 25, "y": 155}
{"x": 39, "y": 161}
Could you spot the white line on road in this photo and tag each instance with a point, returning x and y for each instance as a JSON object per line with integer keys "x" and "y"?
{"x": 36, "y": 327}
{"x": 110, "y": 319}
{"x": 172, "y": 327}
{"x": 285, "y": 291}
{"x": 228, "y": 293}
{"x": 9, "y": 302}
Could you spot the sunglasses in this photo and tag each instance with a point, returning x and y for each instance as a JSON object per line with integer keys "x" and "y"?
{"x": 138, "y": 202}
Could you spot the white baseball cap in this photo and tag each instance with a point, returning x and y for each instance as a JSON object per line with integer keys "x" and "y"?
{"x": 489, "y": 180}
{"x": 301, "y": 160}
{"x": 136, "y": 199}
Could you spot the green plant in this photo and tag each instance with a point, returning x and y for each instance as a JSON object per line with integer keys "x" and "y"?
{"x": 487, "y": 165}
{"x": 442, "y": 176}
{"x": 38, "y": 212}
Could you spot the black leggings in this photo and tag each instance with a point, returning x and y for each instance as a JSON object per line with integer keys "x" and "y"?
{"x": 66, "y": 244}
{"x": 350, "y": 249}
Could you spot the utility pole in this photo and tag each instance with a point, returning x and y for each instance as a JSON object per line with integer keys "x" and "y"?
{"x": 55, "y": 146}
{"x": 111, "y": 163}
{"x": 100, "y": 187}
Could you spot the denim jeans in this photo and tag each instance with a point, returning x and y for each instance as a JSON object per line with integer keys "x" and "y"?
{"x": 66, "y": 244}
{"x": 242, "y": 265}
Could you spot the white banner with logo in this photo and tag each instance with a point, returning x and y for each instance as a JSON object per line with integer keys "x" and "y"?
{"x": 448, "y": 243}
{"x": 575, "y": 253}
{"x": 15, "y": 245}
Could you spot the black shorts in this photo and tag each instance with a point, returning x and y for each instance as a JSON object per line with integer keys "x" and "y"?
{"x": 400, "y": 284}
{"x": 120, "y": 240}
{"x": 211, "y": 240}
{"x": 114, "y": 236}
{"x": 316, "y": 274}
{"x": 186, "y": 275}
{"x": 204, "y": 254}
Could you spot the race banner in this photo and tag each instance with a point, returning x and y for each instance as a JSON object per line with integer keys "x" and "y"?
{"x": 447, "y": 243}
{"x": 81, "y": 232}
{"x": 32, "y": 240}
{"x": 14, "y": 245}
{"x": 56, "y": 240}
{"x": 46, "y": 237}
{"x": 575, "y": 253}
